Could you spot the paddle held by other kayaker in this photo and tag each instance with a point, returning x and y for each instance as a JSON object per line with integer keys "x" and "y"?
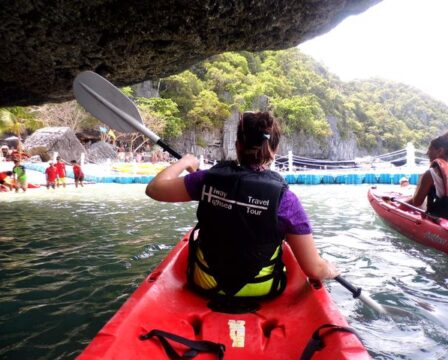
{"x": 245, "y": 212}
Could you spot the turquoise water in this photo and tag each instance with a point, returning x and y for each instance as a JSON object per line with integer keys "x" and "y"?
{"x": 70, "y": 257}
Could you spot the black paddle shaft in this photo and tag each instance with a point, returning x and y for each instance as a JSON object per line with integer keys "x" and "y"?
{"x": 168, "y": 149}
{"x": 354, "y": 290}
{"x": 433, "y": 218}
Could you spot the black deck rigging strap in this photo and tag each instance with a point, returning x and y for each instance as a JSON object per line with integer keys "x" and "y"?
{"x": 195, "y": 346}
{"x": 316, "y": 342}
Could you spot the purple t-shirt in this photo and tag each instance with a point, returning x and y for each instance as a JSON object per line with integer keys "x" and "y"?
{"x": 292, "y": 218}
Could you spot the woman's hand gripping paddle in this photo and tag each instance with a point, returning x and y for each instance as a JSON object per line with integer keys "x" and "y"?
{"x": 108, "y": 104}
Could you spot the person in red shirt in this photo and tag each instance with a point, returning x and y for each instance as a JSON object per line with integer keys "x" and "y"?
{"x": 5, "y": 181}
{"x": 77, "y": 173}
{"x": 60, "y": 166}
{"x": 51, "y": 173}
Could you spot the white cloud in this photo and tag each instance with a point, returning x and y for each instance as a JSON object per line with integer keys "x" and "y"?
{"x": 400, "y": 40}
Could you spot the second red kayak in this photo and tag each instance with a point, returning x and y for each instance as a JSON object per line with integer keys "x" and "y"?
{"x": 282, "y": 328}
{"x": 417, "y": 226}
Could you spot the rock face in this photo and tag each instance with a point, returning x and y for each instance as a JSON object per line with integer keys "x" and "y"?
{"x": 100, "y": 152}
{"x": 333, "y": 147}
{"x": 146, "y": 89}
{"x": 220, "y": 144}
{"x": 45, "y": 44}
{"x": 46, "y": 141}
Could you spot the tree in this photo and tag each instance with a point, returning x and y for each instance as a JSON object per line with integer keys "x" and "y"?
{"x": 302, "y": 114}
{"x": 161, "y": 115}
{"x": 181, "y": 89}
{"x": 208, "y": 111}
{"x": 17, "y": 120}
{"x": 68, "y": 113}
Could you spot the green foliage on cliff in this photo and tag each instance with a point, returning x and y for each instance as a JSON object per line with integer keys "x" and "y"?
{"x": 161, "y": 115}
{"x": 395, "y": 113}
{"x": 303, "y": 94}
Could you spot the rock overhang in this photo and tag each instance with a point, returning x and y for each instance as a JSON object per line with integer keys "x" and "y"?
{"x": 45, "y": 44}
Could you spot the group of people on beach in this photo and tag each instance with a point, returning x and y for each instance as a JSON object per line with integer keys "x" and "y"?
{"x": 55, "y": 174}
{"x": 15, "y": 179}
{"x": 12, "y": 154}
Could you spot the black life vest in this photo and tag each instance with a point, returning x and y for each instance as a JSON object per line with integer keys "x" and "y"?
{"x": 438, "y": 206}
{"x": 237, "y": 220}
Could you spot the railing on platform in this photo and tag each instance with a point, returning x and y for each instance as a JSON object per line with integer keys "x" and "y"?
{"x": 293, "y": 163}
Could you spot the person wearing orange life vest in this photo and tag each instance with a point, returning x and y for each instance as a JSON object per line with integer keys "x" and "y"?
{"x": 433, "y": 184}
{"x": 245, "y": 212}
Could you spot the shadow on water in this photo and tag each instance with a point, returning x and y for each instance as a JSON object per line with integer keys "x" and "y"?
{"x": 70, "y": 258}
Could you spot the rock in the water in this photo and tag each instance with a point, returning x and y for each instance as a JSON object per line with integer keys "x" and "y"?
{"x": 35, "y": 158}
{"x": 46, "y": 141}
{"x": 100, "y": 152}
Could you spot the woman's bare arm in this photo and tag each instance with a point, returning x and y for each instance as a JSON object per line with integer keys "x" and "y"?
{"x": 312, "y": 264}
{"x": 422, "y": 190}
{"x": 168, "y": 186}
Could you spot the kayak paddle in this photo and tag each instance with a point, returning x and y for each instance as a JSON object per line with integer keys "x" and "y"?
{"x": 357, "y": 294}
{"x": 366, "y": 299}
{"x": 107, "y": 103}
{"x": 433, "y": 218}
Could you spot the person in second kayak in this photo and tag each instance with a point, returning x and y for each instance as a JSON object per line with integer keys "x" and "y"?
{"x": 245, "y": 211}
{"x": 433, "y": 185}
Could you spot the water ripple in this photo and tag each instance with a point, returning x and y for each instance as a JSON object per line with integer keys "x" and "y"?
{"x": 71, "y": 257}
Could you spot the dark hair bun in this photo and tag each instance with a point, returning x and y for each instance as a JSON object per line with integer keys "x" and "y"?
{"x": 256, "y": 127}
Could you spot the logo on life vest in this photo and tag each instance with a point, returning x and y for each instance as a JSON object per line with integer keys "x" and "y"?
{"x": 219, "y": 198}
{"x": 237, "y": 332}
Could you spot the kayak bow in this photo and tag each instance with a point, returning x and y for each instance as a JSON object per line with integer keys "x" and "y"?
{"x": 428, "y": 230}
{"x": 282, "y": 328}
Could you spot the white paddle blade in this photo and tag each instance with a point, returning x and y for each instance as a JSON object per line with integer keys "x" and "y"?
{"x": 366, "y": 299}
{"x": 108, "y": 104}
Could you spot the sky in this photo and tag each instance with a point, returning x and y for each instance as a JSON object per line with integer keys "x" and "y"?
{"x": 399, "y": 40}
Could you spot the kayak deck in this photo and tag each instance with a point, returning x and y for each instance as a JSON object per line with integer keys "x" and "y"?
{"x": 280, "y": 329}
{"x": 412, "y": 224}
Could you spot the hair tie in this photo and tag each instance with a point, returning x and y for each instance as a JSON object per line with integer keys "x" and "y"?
{"x": 266, "y": 136}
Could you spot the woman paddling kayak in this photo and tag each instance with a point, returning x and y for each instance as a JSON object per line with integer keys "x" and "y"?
{"x": 245, "y": 212}
{"x": 302, "y": 323}
{"x": 433, "y": 185}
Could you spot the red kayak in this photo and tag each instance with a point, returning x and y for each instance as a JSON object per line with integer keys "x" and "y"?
{"x": 29, "y": 186}
{"x": 410, "y": 221}
{"x": 163, "y": 308}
